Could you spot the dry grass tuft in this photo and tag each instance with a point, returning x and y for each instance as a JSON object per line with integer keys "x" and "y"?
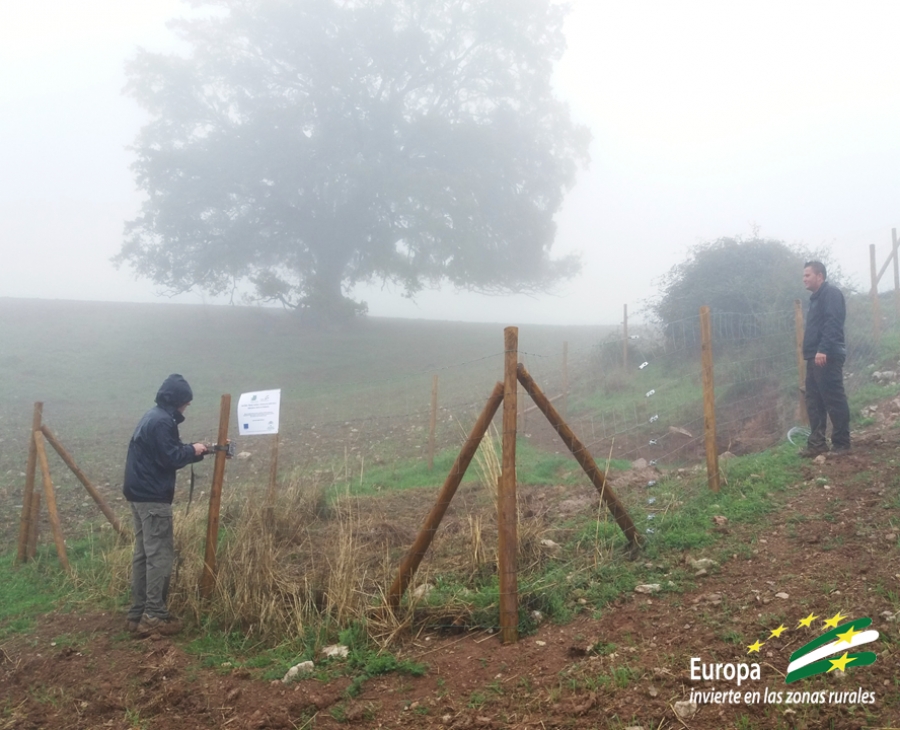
{"x": 285, "y": 572}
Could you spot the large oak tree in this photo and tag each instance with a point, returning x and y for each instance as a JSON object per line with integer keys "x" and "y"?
{"x": 307, "y": 145}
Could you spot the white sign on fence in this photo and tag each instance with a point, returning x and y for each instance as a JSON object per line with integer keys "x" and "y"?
{"x": 258, "y": 412}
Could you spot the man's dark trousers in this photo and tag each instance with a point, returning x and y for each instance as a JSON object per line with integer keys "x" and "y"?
{"x": 825, "y": 398}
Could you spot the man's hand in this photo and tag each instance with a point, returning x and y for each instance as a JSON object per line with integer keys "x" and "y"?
{"x": 821, "y": 358}
{"x": 201, "y": 448}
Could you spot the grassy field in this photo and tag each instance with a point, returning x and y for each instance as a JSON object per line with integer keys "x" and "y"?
{"x": 351, "y": 400}
{"x": 354, "y": 491}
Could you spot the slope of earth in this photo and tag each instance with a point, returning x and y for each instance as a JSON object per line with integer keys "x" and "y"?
{"x": 830, "y": 551}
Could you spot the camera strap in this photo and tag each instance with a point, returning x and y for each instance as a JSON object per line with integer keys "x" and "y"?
{"x": 190, "y": 492}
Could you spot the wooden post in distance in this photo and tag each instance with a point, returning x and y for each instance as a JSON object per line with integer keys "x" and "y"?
{"x": 894, "y": 244}
{"x": 801, "y": 363}
{"x": 709, "y": 400}
{"x": 876, "y": 306}
{"x": 273, "y": 481}
{"x": 432, "y": 425}
{"x": 26, "y": 524}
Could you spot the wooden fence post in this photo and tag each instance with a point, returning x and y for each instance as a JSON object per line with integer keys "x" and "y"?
{"x": 625, "y": 338}
{"x": 25, "y": 521}
{"x": 801, "y": 363}
{"x": 415, "y": 554}
{"x": 709, "y": 401}
{"x": 876, "y": 306}
{"x": 80, "y": 475}
{"x": 50, "y": 496}
{"x": 208, "y": 579}
{"x": 273, "y": 482}
{"x": 432, "y": 425}
{"x": 506, "y": 497}
{"x": 895, "y": 243}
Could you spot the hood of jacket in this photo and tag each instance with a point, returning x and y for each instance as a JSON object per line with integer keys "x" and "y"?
{"x": 174, "y": 393}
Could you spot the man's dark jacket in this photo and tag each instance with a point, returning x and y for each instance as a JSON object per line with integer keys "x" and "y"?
{"x": 155, "y": 452}
{"x": 825, "y": 323}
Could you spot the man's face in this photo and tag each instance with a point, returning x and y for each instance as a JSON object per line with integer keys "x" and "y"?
{"x": 181, "y": 409}
{"x": 811, "y": 280}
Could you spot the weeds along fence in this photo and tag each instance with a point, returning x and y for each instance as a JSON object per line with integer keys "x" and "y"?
{"x": 342, "y": 520}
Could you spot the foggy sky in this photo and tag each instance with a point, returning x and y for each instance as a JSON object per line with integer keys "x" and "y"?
{"x": 708, "y": 119}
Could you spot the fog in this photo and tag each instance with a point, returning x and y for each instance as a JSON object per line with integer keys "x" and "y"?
{"x": 708, "y": 120}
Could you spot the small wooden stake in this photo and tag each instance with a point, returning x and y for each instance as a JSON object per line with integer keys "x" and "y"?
{"x": 91, "y": 489}
{"x": 26, "y": 523}
{"x": 801, "y": 363}
{"x": 423, "y": 541}
{"x": 876, "y": 306}
{"x": 582, "y": 456}
{"x": 895, "y": 242}
{"x": 432, "y": 426}
{"x": 50, "y": 496}
{"x": 506, "y": 497}
{"x": 709, "y": 400}
{"x": 273, "y": 482}
{"x": 208, "y": 580}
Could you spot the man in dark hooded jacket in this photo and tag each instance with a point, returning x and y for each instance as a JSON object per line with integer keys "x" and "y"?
{"x": 155, "y": 454}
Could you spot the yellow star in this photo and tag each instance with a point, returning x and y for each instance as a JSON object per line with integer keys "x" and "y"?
{"x": 835, "y": 620}
{"x": 841, "y": 663}
{"x": 807, "y": 622}
{"x": 777, "y": 632}
{"x": 848, "y": 636}
{"x": 755, "y": 647}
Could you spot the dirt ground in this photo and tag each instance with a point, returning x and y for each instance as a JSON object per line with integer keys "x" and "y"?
{"x": 832, "y": 548}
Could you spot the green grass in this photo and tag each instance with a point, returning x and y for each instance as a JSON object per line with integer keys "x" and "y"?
{"x": 39, "y": 587}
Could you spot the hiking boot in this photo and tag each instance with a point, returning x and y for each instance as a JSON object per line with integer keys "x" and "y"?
{"x": 811, "y": 452}
{"x": 154, "y": 625}
{"x": 131, "y": 626}
{"x": 841, "y": 451}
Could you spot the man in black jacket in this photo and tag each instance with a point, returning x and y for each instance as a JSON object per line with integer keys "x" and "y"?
{"x": 155, "y": 453}
{"x": 824, "y": 351}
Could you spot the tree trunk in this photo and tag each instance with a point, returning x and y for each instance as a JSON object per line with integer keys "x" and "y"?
{"x": 325, "y": 303}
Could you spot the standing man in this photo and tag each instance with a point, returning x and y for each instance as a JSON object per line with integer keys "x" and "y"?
{"x": 824, "y": 351}
{"x": 155, "y": 453}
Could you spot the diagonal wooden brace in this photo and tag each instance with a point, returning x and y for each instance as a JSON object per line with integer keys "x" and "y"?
{"x": 411, "y": 562}
{"x": 582, "y": 456}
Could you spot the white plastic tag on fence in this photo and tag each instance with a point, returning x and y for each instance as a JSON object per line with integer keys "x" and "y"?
{"x": 653, "y": 442}
{"x": 654, "y": 419}
{"x": 650, "y": 392}
{"x": 643, "y": 365}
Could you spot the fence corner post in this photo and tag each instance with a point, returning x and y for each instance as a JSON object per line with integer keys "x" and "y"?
{"x": 506, "y": 496}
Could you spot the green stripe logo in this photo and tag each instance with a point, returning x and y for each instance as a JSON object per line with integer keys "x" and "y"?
{"x": 833, "y": 650}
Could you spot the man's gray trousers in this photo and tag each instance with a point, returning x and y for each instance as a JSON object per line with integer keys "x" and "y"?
{"x": 151, "y": 565}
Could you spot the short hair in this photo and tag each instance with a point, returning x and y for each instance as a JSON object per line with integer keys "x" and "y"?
{"x": 817, "y": 266}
